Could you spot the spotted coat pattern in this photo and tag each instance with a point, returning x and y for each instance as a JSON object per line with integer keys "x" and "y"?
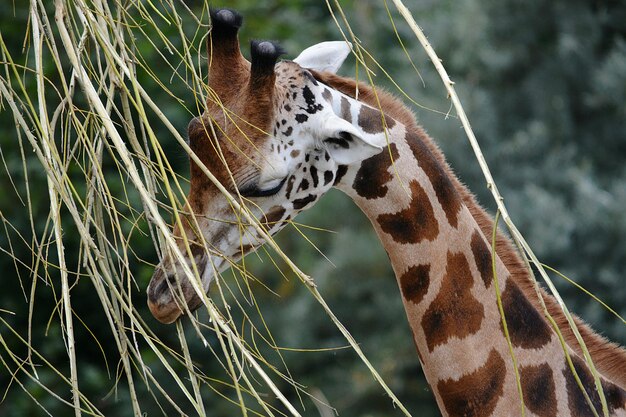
{"x": 294, "y": 150}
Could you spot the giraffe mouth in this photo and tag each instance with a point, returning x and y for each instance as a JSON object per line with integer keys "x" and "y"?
{"x": 171, "y": 294}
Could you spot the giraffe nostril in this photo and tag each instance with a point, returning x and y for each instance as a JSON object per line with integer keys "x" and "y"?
{"x": 165, "y": 286}
{"x": 168, "y": 292}
{"x": 161, "y": 301}
{"x": 159, "y": 291}
{"x": 156, "y": 292}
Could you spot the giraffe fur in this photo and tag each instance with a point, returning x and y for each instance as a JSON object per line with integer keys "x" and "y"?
{"x": 279, "y": 135}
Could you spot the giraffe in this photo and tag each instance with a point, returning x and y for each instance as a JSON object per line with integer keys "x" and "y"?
{"x": 305, "y": 131}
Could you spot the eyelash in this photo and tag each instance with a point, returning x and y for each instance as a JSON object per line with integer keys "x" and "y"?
{"x": 256, "y": 192}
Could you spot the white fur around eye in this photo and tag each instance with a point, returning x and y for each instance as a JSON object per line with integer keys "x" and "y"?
{"x": 271, "y": 183}
{"x": 274, "y": 171}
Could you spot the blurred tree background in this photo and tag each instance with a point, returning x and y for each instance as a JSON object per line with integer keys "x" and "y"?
{"x": 544, "y": 85}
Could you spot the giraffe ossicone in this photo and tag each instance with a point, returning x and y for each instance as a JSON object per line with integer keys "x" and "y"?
{"x": 278, "y": 135}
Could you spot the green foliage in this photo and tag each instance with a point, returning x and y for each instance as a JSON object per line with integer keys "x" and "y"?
{"x": 544, "y": 84}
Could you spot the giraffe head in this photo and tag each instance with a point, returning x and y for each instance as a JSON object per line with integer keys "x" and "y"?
{"x": 276, "y": 138}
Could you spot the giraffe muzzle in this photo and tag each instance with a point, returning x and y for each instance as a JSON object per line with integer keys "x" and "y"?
{"x": 170, "y": 294}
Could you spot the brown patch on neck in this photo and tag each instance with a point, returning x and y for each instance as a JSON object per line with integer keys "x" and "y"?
{"x": 455, "y": 312}
{"x": 374, "y": 173}
{"x": 439, "y": 178}
{"x": 526, "y": 326}
{"x": 539, "y": 390}
{"x": 578, "y": 406}
{"x": 475, "y": 394}
{"x": 414, "y": 283}
{"x": 413, "y": 224}
{"x": 371, "y": 120}
{"x": 483, "y": 258}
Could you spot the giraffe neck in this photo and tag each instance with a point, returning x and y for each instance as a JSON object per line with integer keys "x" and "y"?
{"x": 428, "y": 232}
{"x": 443, "y": 264}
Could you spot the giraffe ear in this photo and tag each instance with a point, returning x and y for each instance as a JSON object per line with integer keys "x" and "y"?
{"x": 325, "y": 56}
{"x": 347, "y": 144}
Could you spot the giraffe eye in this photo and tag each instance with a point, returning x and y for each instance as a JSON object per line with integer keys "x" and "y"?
{"x": 256, "y": 191}
{"x": 342, "y": 140}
